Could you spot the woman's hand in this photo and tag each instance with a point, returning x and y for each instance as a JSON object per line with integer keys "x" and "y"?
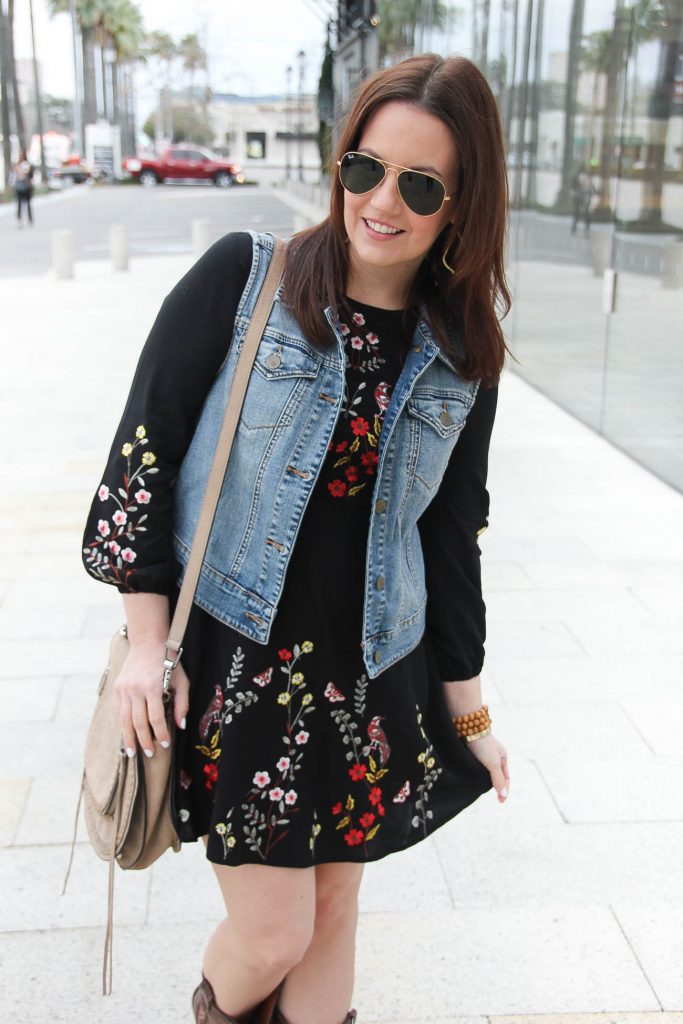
{"x": 139, "y": 691}
{"x": 492, "y": 755}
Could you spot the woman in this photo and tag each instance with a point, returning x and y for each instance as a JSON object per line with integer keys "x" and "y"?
{"x": 23, "y": 186}
{"x": 338, "y": 625}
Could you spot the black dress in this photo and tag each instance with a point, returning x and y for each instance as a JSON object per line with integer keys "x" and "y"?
{"x": 292, "y": 756}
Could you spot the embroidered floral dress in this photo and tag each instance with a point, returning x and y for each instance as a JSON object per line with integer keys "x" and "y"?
{"x": 291, "y": 755}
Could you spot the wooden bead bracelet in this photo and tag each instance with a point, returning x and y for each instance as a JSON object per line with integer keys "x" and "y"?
{"x": 473, "y": 725}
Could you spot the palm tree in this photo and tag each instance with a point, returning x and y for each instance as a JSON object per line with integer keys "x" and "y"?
{"x": 161, "y": 46}
{"x": 563, "y": 198}
{"x": 4, "y": 102}
{"x": 402, "y": 20}
{"x": 193, "y": 57}
{"x": 18, "y": 112}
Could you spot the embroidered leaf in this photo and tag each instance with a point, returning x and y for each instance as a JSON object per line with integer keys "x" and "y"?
{"x": 204, "y": 750}
{"x": 124, "y": 494}
{"x": 355, "y": 490}
{"x": 372, "y": 440}
{"x": 382, "y": 772}
{"x": 214, "y": 739}
{"x": 416, "y": 821}
{"x": 142, "y": 518}
{"x": 342, "y": 461}
{"x": 373, "y": 764}
{"x": 355, "y": 445}
{"x": 377, "y": 425}
{"x": 154, "y": 469}
{"x": 430, "y": 814}
{"x": 343, "y": 823}
{"x": 373, "y": 832}
{"x": 350, "y": 755}
{"x": 370, "y": 776}
{"x": 296, "y": 650}
{"x": 350, "y": 803}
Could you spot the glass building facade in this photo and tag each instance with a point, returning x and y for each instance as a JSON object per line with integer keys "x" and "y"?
{"x": 591, "y": 96}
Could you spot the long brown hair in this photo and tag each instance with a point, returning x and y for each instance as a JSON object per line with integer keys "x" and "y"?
{"x": 455, "y": 91}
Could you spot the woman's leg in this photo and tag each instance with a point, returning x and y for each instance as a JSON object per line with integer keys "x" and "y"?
{"x": 29, "y": 208}
{"x": 270, "y": 924}
{"x": 318, "y": 990}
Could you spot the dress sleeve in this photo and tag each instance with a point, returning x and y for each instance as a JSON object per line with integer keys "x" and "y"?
{"x": 449, "y": 531}
{"x": 127, "y": 538}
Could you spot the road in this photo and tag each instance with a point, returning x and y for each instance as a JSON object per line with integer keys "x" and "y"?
{"x": 159, "y": 221}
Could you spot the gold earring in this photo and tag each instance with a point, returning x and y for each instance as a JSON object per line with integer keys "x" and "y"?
{"x": 443, "y": 258}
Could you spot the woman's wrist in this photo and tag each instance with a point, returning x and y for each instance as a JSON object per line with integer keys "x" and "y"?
{"x": 463, "y": 696}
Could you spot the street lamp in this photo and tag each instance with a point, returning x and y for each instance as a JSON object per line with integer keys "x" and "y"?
{"x": 301, "y": 56}
{"x": 288, "y": 118}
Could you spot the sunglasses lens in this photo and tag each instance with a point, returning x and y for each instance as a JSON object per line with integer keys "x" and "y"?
{"x": 423, "y": 194}
{"x": 359, "y": 173}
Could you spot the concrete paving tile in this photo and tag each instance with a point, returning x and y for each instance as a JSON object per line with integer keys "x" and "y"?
{"x": 184, "y": 888}
{"x": 411, "y": 879}
{"x": 584, "y": 571}
{"x": 24, "y": 659}
{"x": 46, "y": 750}
{"x": 32, "y": 567}
{"x": 29, "y": 700}
{"x": 47, "y": 541}
{"x": 529, "y": 802}
{"x": 105, "y": 619}
{"x": 665, "y": 602}
{"x": 656, "y": 1017}
{"x": 13, "y": 796}
{"x": 602, "y": 788}
{"x": 35, "y": 876}
{"x": 77, "y": 700}
{"x": 655, "y": 932}
{"x": 606, "y": 604}
{"x": 519, "y": 639}
{"x": 32, "y": 593}
{"x": 606, "y": 638}
{"x": 498, "y": 574}
{"x": 565, "y": 680}
{"x": 49, "y": 621}
{"x": 13, "y": 542}
{"x": 49, "y": 812}
{"x": 558, "y": 958}
{"x": 658, "y": 720}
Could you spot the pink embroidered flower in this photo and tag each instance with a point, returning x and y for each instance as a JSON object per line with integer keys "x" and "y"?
{"x": 103, "y": 492}
{"x": 283, "y": 764}
{"x": 261, "y": 779}
{"x": 119, "y": 517}
{"x": 290, "y": 797}
{"x": 359, "y": 319}
{"x": 356, "y": 342}
{"x": 371, "y": 338}
{"x": 345, "y": 329}
{"x": 128, "y": 555}
{"x": 302, "y": 737}
{"x": 142, "y": 497}
{"x": 114, "y": 547}
{"x": 103, "y": 527}
{"x": 276, "y": 793}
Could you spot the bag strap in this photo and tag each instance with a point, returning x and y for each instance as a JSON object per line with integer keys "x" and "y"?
{"x": 231, "y": 417}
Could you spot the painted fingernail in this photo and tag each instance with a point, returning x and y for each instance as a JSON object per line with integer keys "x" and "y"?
{"x": 165, "y": 744}
{"x": 129, "y": 752}
{"x": 149, "y": 753}
{"x": 504, "y": 791}
{"x": 183, "y": 723}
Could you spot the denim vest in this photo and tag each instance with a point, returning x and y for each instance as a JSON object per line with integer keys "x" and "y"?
{"x": 291, "y": 407}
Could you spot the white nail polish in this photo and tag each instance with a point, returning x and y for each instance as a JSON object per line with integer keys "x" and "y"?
{"x": 165, "y": 744}
{"x": 130, "y": 752}
{"x": 504, "y": 791}
{"x": 149, "y": 753}
{"x": 183, "y": 723}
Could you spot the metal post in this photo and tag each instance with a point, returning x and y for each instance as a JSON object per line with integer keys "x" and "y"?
{"x": 301, "y": 55}
{"x": 288, "y": 120}
{"x": 39, "y": 98}
{"x": 78, "y": 80}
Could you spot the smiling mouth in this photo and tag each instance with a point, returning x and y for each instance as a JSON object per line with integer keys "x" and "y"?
{"x": 382, "y": 229}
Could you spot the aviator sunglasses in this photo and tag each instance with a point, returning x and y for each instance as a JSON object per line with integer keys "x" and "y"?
{"x": 422, "y": 193}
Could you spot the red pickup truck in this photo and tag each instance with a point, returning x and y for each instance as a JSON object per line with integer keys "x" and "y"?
{"x": 184, "y": 162}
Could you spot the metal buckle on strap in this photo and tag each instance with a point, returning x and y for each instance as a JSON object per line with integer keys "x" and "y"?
{"x": 169, "y": 665}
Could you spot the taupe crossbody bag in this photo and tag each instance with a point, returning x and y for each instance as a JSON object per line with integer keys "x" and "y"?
{"x": 128, "y": 800}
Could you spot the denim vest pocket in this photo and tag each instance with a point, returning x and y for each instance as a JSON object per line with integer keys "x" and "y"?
{"x": 282, "y": 372}
{"x": 436, "y": 420}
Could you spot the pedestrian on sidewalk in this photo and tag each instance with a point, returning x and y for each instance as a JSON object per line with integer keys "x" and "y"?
{"x": 22, "y": 175}
{"x": 336, "y": 641}
{"x": 582, "y": 195}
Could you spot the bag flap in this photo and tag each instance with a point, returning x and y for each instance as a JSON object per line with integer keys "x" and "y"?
{"x": 103, "y": 761}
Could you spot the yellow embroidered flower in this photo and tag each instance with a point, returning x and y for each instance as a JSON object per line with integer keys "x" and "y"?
{"x": 230, "y": 841}
{"x": 298, "y": 678}
{"x": 307, "y": 698}
{"x": 421, "y": 757}
{"x": 430, "y": 762}
{"x": 307, "y": 647}
{"x": 140, "y": 432}
{"x": 221, "y": 829}
{"x": 127, "y": 448}
{"x": 283, "y": 698}
{"x": 149, "y": 458}
{"x": 316, "y": 829}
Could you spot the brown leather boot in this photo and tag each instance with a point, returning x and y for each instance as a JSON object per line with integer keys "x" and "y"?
{"x": 207, "y": 1011}
{"x": 279, "y": 1018}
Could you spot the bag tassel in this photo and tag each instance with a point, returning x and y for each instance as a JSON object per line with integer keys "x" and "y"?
{"x": 73, "y": 840}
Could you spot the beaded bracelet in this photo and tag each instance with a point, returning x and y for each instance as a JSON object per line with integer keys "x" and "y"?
{"x": 473, "y": 725}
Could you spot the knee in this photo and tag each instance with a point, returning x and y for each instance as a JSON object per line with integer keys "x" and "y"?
{"x": 336, "y": 900}
{"x": 279, "y": 945}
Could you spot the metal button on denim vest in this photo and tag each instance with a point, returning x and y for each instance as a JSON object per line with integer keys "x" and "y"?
{"x": 290, "y": 411}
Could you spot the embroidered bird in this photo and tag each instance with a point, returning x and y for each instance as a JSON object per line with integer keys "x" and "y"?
{"x": 382, "y": 396}
{"x": 378, "y": 740}
{"x": 212, "y": 715}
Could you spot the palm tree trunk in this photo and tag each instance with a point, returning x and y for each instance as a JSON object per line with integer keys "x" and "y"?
{"x": 4, "y": 104}
{"x": 89, "y": 86}
{"x": 563, "y": 198}
{"x": 486, "y": 18}
{"x": 535, "y": 105}
{"x": 512, "y": 93}
{"x": 18, "y": 112}
{"x": 615, "y": 67}
{"x": 522, "y": 109}
{"x": 39, "y": 98}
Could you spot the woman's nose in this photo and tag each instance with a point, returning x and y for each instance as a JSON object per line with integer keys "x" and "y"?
{"x": 386, "y": 195}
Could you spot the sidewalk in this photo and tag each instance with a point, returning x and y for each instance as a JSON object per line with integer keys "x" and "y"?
{"x": 566, "y": 901}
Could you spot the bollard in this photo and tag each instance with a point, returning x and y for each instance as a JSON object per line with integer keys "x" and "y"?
{"x": 672, "y": 265}
{"x": 601, "y": 251}
{"x": 200, "y": 235}
{"x": 118, "y": 246}
{"x": 63, "y": 254}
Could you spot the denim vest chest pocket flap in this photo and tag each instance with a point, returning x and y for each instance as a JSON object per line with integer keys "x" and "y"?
{"x": 283, "y": 370}
{"x": 437, "y": 418}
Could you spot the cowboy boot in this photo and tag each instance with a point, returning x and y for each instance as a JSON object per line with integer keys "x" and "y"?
{"x": 207, "y": 1011}
{"x": 279, "y": 1017}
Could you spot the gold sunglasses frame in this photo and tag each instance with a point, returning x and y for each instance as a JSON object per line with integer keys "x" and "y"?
{"x": 399, "y": 168}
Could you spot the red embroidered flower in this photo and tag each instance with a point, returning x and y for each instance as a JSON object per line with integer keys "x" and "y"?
{"x": 211, "y": 772}
{"x": 360, "y": 426}
{"x": 357, "y": 772}
{"x": 369, "y": 458}
{"x": 337, "y": 488}
{"x": 380, "y": 810}
{"x": 285, "y": 655}
{"x": 351, "y": 474}
{"x": 375, "y": 795}
{"x": 337, "y": 808}
{"x": 367, "y": 819}
{"x": 354, "y": 836}
{"x": 341, "y": 446}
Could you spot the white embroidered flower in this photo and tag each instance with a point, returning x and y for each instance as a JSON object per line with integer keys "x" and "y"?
{"x": 103, "y": 527}
{"x": 371, "y": 338}
{"x": 356, "y": 342}
{"x": 128, "y": 555}
{"x": 276, "y": 793}
{"x": 142, "y": 497}
{"x": 359, "y": 319}
{"x": 114, "y": 547}
{"x": 120, "y": 517}
{"x": 283, "y": 764}
{"x": 290, "y": 797}
{"x": 103, "y": 492}
{"x": 302, "y": 737}
{"x": 261, "y": 779}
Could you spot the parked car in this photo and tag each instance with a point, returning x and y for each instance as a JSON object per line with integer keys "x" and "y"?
{"x": 184, "y": 162}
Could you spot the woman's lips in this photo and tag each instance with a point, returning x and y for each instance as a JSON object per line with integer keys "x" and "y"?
{"x": 380, "y": 235}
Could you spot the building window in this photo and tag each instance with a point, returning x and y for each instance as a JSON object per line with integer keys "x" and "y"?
{"x": 256, "y": 145}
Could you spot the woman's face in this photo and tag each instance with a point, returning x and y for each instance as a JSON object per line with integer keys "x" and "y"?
{"x": 400, "y": 133}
